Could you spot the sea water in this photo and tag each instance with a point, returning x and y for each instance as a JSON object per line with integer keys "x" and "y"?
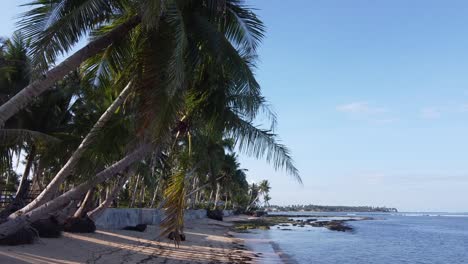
{"x": 391, "y": 238}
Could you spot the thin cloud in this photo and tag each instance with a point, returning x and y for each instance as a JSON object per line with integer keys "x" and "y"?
{"x": 365, "y": 111}
{"x": 430, "y": 113}
{"x": 360, "y": 108}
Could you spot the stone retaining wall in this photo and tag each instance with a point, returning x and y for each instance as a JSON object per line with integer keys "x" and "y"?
{"x": 117, "y": 218}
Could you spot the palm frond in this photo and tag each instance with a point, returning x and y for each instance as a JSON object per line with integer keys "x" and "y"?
{"x": 242, "y": 26}
{"x": 260, "y": 143}
{"x": 54, "y": 26}
{"x": 19, "y": 136}
{"x": 174, "y": 206}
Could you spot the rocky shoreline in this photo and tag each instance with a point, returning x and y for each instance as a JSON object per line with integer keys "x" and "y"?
{"x": 286, "y": 222}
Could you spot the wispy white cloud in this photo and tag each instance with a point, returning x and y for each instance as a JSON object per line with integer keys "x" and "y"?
{"x": 430, "y": 113}
{"x": 360, "y": 108}
{"x": 365, "y": 111}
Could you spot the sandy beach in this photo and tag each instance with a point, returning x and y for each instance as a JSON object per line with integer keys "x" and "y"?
{"x": 208, "y": 241}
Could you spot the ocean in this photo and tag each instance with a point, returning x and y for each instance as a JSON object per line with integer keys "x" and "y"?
{"x": 392, "y": 238}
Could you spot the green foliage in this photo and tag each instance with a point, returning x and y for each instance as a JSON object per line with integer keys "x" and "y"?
{"x": 190, "y": 65}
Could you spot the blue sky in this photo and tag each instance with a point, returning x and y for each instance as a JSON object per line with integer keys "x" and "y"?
{"x": 372, "y": 100}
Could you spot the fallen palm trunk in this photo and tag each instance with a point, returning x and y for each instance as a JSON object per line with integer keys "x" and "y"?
{"x": 30, "y": 92}
{"x": 18, "y": 221}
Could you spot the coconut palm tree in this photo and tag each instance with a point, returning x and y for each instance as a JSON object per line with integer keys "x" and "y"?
{"x": 56, "y": 26}
{"x": 191, "y": 57}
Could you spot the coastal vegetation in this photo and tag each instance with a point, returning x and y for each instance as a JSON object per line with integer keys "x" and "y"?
{"x": 152, "y": 111}
{"x": 328, "y": 208}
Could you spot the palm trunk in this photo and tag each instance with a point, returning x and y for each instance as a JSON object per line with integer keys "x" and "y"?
{"x": 135, "y": 189}
{"x": 253, "y": 202}
{"x": 30, "y": 92}
{"x": 85, "y": 203}
{"x": 18, "y": 221}
{"x": 23, "y": 188}
{"x": 96, "y": 212}
{"x": 141, "y": 197}
{"x": 36, "y": 184}
{"x": 218, "y": 187}
{"x": 27, "y": 170}
{"x": 211, "y": 196}
{"x": 154, "y": 196}
{"x": 73, "y": 160}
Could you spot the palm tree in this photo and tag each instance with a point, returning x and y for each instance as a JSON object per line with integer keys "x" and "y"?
{"x": 262, "y": 189}
{"x": 55, "y": 26}
{"x": 191, "y": 57}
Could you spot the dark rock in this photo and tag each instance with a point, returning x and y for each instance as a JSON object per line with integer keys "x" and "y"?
{"x": 49, "y": 227}
{"x": 260, "y": 213}
{"x": 215, "y": 214}
{"x": 172, "y": 236}
{"x": 334, "y": 225}
{"x": 338, "y": 226}
{"x": 318, "y": 224}
{"x": 79, "y": 225}
{"x": 139, "y": 227}
{"x": 21, "y": 237}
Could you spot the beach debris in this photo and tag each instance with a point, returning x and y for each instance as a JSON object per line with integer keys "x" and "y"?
{"x": 48, "y": 227}
{"x": 259, "y": 213}
{"x": 139, "y": 228}
{"x": 215, "y": 214}
{"x": 79, "y": 225}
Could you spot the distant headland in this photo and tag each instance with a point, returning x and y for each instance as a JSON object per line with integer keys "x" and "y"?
{"x": 327, "y": 208}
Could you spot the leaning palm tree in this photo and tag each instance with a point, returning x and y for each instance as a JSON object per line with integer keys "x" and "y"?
{"x": 237, "y": 25}
{"x": 183, "y": 49}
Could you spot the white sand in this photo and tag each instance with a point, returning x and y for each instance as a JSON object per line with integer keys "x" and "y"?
{"x": 208, "y": 241}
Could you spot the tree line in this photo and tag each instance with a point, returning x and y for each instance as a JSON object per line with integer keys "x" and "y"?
{"x": 328, "y": 208}
{"x": 150, "y": 112}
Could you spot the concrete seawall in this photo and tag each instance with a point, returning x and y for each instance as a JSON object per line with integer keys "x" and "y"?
{"x": 117, "y": 218}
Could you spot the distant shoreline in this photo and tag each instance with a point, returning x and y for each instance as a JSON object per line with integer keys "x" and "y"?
{"x": 330, "y": 209}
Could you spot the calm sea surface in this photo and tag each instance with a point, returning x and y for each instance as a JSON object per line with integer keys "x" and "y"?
{"x": 414, "y": 238}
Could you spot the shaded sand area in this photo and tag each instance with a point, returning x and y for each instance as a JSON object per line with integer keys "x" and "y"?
{"x": 208, "y": 241}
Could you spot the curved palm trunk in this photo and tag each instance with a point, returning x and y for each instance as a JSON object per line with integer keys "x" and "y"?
{"x": 85, "y": 203}
{"x": 253, "y": 202}
{"x": 18, "y": 221}
{"x": 96, "y": 212}
{"x": 73, "y": 160}
{"x": 27, "y": 170}
{"x": 26, "y": 95}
